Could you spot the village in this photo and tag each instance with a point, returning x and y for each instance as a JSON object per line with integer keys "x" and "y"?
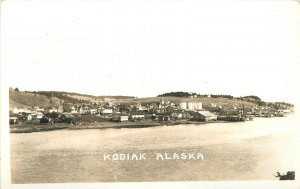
{"x": 162, "y": 112}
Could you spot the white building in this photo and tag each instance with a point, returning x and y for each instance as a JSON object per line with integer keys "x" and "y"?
{"x": 29, "y": 117}
{"x": 123, "y": 117}
{"x": 182, "y": 105}
{"x": 93, "y": 111}
{"x": 17, "y": 110}
{"x": 39, "y": 115}
{"x": 137, "y": 115}
{"x": 107, "y": 111}
{"x": 52, "y": 110}
{"x": 38, "y": 109}
{"x": 190, "y": 105}
{"x": 73, "y": 110}
{"x": 207, "y": 116}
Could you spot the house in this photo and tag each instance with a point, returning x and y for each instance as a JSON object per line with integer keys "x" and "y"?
{"x": 177, "y": 114}
{"x": 39, "y": 115}
{"x": 29, "y": 117}
{"x": 123, "y": 117}
{"x": 84, "y": 110}
{"x": 137, "y": 115}
{"x": 93, "y": 111}
{"x": 153, "y": 107}
{"x": 35, "y": 115}
{"x": 120, "y": 117}
{"x": 173, "y": 105}
{"x": 73, "y": 110}
{"x": 162, "y": 117}
{"x": 207, "y": 116}
{"x": 123, "y": 108}
{"x": 107, "y": 111}
{"x": 142, "y": 108}
{"x": 13, "y": 120}
{"x": 17, "y": 110}
{"x": 53, "y": 110}
{"x": 38, "y": 109}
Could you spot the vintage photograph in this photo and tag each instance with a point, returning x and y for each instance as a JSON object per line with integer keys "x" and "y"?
{"x": 150, "y": 91}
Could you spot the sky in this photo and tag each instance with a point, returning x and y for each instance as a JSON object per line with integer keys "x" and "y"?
{"x": 146, "y": 48}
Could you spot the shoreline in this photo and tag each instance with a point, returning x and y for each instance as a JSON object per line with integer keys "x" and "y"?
{"x": 30, "y": 128}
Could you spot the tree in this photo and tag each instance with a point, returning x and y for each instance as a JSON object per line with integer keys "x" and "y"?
{"x": 52, "y": 115}
{"x": 17, "y": 89}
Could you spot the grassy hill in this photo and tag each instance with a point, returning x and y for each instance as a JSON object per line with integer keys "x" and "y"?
{"x": 54, "y": 98}
{"x": 28, "y": 99}
{"x": 224, "y": 102}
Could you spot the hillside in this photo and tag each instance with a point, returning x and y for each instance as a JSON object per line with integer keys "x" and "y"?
{"x": 224, "y": 102}
{"x": 45, "y": 99}
{"x": 27, "y": 99}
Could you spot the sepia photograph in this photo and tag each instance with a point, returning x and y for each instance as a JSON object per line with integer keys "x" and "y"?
{"x": 130, "y": 94}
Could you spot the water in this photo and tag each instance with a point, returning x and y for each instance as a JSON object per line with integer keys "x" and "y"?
{"x": 253, "y": 150}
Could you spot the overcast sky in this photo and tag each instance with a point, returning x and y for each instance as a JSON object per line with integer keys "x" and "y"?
{"x": 145, "y": 48}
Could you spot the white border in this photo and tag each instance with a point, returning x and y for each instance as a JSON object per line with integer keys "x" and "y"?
{"x": 6, "y": 178}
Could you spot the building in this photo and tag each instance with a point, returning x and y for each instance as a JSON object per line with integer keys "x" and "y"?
{"x": 39, "y": 115}
{"x": 29, "y": 117}
{"x": 53, "y": 110}
{"x": 93, "y": 111}
{"x": 123, "y": 117}
{"x": 142, "y": 108}
{"x": 190, "y": 106}
{"x": 13, "y": 120}
{"x": 73, "y": 110}
{"x": 84, "y": 110}
{"x": 20, "y": 111}
{"x": 137, "y": 115}
{"x": 38, "y": 109}
{"x": 120, "y": 117}
{"x": 183, "y": 105}
{"x": 177, "y": 114}
{"x": 107, "y": 111}
{"x": 207, "y": 116}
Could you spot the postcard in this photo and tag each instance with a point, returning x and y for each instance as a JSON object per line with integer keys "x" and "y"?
{"x": 131, "y": 94}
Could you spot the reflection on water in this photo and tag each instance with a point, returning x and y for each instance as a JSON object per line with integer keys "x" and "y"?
{"x": 232, "y": 151}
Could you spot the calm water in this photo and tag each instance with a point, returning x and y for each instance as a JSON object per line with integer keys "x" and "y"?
{"x": 251, "y": 150}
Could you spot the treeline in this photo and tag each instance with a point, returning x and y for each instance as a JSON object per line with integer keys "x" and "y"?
{"x": 253, "y": 97}
{"x": 187, "y": 94}
{"x": 176, "y": 94}
{"x": 221, "y": 96}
